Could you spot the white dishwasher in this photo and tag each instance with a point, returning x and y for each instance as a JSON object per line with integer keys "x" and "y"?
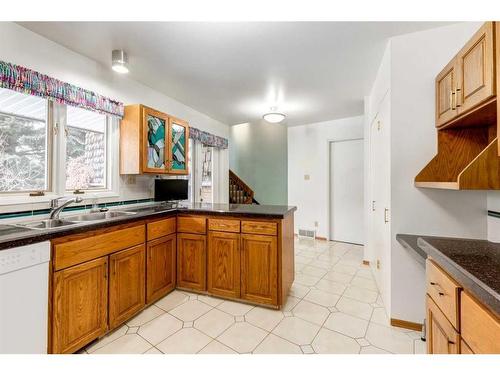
{"x": 24, "y": 287}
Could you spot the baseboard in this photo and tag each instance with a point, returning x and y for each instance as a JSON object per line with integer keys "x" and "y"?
{"x": 406, "y": 324}
{"x": 366, "y": 262}
{"x": 321, "y": 238}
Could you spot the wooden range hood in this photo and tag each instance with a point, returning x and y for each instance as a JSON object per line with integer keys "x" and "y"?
{"x": 467, "y": 124}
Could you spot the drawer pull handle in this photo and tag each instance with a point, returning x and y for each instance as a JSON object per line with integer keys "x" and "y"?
{"x": 441, "y": 294}
{"x": 432, "y": 283}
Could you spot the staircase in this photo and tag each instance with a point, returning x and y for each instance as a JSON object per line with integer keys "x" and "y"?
{"x": 239, "y": 192}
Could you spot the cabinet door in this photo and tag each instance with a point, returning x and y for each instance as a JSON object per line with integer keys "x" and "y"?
{"x": 191, "y": 261}
{"x": 178, "y": 143}
{"x": 126, "y": 284}
{"x": 160, "y": 267}
{"x": 80, "y": 305}
{"x": 259, "y": 269}
{"x": 154, "y": 141}
{"x": 446, "y": 83}
{"x": 441, "y": 336}
{"x": 223, "y": 271}
{"x": 476, "y": 67}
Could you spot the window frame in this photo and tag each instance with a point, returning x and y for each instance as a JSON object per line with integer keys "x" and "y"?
{"x": 56, "y": 162}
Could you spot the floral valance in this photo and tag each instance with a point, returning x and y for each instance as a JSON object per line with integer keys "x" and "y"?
{"x": 21, "y": 79}
{"x": 207, "y": 138}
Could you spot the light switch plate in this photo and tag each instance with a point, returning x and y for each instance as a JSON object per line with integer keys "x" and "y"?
{"x": 307, "y": 177}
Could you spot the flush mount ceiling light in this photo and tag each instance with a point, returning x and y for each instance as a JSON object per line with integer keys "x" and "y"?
{"x": 119, "y": 61}
{"x": 274, "y": 117}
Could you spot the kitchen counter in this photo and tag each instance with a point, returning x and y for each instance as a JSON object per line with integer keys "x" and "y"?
{"x": 475, "y": 264}
{"x": 12, "y": 236}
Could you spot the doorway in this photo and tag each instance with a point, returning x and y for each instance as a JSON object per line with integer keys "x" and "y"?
{"x": 346, "y": 191}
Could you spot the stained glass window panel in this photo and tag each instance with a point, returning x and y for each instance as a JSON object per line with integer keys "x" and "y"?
{"x": 178, "y": 147}
{"x": 156, "y": 142}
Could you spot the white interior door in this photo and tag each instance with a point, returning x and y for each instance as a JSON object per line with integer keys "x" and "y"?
{"x": 346, "y": 191}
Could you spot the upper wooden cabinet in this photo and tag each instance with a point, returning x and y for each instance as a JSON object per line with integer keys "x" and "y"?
{"x": 152, "y": 142}
{"x": 468, "y": 80}
{"x": 80, "y": 305}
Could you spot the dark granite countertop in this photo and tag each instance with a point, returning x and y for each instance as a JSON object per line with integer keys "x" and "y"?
{"x": 12, "y": 236}
{"x": 474, "y": 264}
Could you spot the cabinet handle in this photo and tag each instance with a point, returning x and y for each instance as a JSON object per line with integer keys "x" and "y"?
{"x": 386, "y": 216}
{"x": 457, "y": 93}
{"x": 373, "y": 205}
{"x": 433, "y": 283}
{"x": 453, "y": 99}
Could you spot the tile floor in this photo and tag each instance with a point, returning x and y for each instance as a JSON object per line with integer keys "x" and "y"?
{"x": 334, "y": 307}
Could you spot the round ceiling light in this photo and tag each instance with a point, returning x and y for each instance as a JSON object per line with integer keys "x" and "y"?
{"x": 119, "y": 61}
{"x": 274, "y": 117}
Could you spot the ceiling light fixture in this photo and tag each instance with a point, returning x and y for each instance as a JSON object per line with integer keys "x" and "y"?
{"x": 274, "y": 117}
{"x": 119, "y": 61}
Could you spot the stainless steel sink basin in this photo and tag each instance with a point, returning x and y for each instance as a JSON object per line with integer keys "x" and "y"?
{"x": 47, "y": 224}
{"x": 94, "y": 216}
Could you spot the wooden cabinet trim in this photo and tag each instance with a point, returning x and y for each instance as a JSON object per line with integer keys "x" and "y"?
{"x": 177, "y": 121}
{"x": 126, "y": 291}
{"x": 259, "y": 227}
{"x": 66, "y": 297}
{"x": 158, "y": 260}
{"x": 192, "y": 224}
{"x": 441, "y": 337}
{"x": 144, "y": 136}
{"x": 224, "y": 225}
{"x": 479, "y": 327}
{"x": 161, "y": 228}
{"x": 82, "y": 247}
{"x": 444, "y": 292}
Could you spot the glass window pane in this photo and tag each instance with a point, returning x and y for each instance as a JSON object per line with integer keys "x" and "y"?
{"x": 23, "y": 142}
{"x": 85, "y": 149}
{"x": 206, "y": 174}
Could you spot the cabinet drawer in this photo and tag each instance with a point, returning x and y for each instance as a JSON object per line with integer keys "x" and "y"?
{"x": 191, "y": 224}
{"x": 161, "y": 228}
{"x": 480, "y": 329}
{"x": 444, "y": 291}
{"x": 259, "y": 227}
{"x": 441, "y": 337}
{"x": 86, "y": 246}
{"x": 224, "y": 225}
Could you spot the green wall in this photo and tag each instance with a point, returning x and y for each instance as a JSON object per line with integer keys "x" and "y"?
{"x": 258, "y": 155}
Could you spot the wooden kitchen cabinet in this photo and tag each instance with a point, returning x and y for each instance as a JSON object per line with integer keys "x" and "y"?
{"x": 191, "y": 261}
{"x": 468, "y": 80}
{"x": 152, "y": 142}
{"x": 441, "y": 336}
{"x": 259, "y": 268}
{"x": 223, "y": 264}
{"x": 80, "y": 305}
{"x": 160, "y": 267}
{"x": 126, "y": 284}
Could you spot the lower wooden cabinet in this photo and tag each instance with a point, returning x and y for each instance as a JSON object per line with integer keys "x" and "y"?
{"x": 191, "y": 261}
{"x": 223, "y": 264}
{"x": 160, "y": 267}
{"x": 441, "y": 336}
{"x": 464, "y": 348}
{"x": 259, "y": 268}
{"x": 126, "y": 284}
{"x": 80, "y": 305}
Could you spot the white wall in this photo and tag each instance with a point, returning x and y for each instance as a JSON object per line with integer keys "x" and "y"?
{"x": 23, "y": 47}
{"x": 415, "y": 60}
{"x": 308, "y": 154}
{"x": 494, "y": 222}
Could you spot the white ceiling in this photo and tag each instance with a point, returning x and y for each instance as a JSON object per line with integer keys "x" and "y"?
{"x": 233, "y": 72}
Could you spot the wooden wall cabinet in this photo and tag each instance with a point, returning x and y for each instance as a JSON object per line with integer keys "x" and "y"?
{"x": 79, "y": 305}
{"x": 469, "y": 78}
{"x": 191, "y": 261}
{"x": 152, "y": 142}
{"x": 223, "y": 264}
{"x": 126, "y": 284}
{"x": 160, "y": 267}
{"x": 259, "y": 268}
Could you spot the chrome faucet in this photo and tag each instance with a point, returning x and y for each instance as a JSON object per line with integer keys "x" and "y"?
{"x": 55, "y": 209}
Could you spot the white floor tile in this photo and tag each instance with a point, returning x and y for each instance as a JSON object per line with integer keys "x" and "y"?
{"x": 242, "y": 337}
{"x": 172, "y": 300}
{"x": 329, "y": 342}
{"x": 128, "y": 344}
{"x": 296, "y": 330}
{"x": 298, "y": 290}
{"x": 311, "y": 312}
{"x": 160, "y": 328}
{"x": 347, "y": 325}
{"x": 190, "y": 310}
{"x": 389, "y": 339}
{"x": 276, "y": 345}
{"x": 209, "y": 300}
{"x": 264, "y": 318}
{"x": 145, "y": 316}
{"x": 185, "y": 341}
{"x": 216, "y": 347}
{"x": 361, "y": 294}
{"x": 330, "y": 286}
{"x": 353, "y": 307}
{"x": 234, "y": 308}
{"x": 214, "y": 322}
{"x": 338, "y": 277}
{"x": 322, "y": 298}
{"x": 110, "y": 337}
{"x": 372, "y": 350}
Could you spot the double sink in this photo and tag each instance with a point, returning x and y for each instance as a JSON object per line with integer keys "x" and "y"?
{"x": 77, "y": 219}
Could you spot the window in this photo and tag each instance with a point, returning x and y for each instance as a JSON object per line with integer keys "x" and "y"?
{"x": 206, "y": 174}
{"x": 85, "y": 149}
{"x": 24, "y": 144}
{"x": 55, "y": 148}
